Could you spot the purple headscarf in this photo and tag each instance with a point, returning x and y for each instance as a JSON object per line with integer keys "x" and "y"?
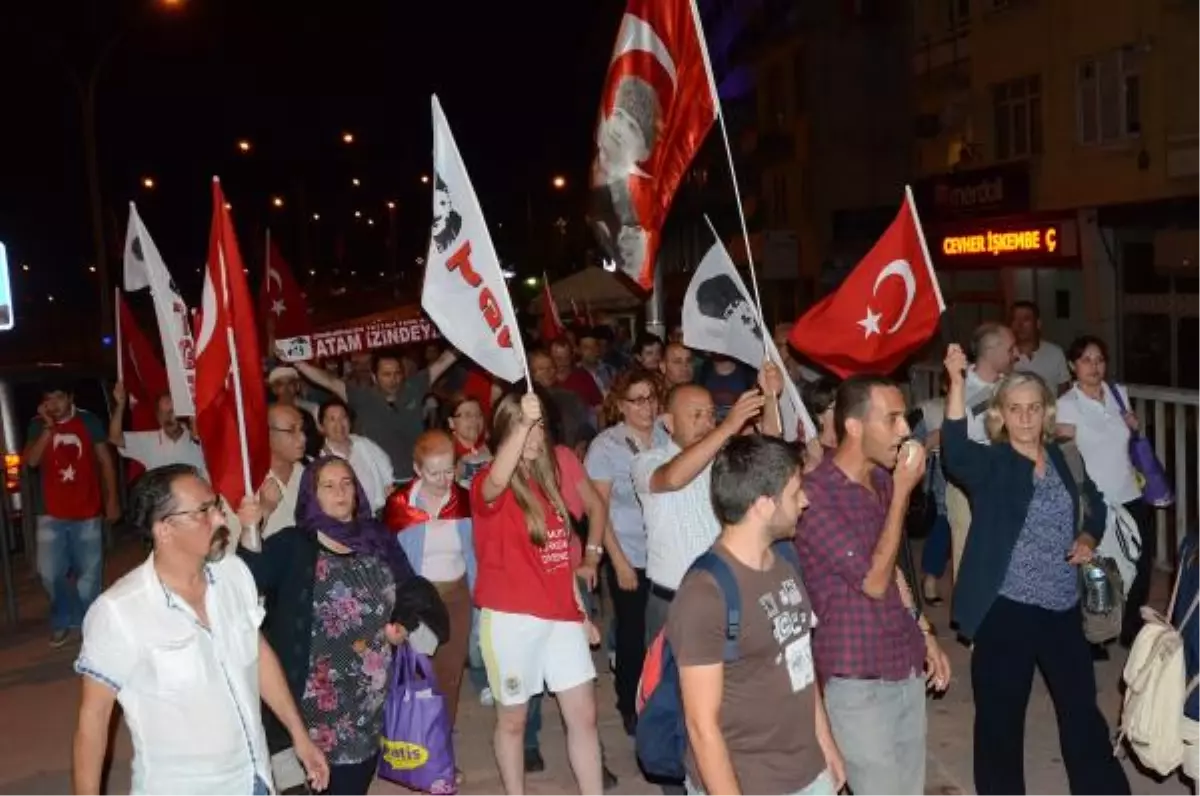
{"x": 363, "y": 534}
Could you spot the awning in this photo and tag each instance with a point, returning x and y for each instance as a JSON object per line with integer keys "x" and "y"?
{"x": 593, "y": 286}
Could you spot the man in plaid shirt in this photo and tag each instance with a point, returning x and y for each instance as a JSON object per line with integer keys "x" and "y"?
{"x": 872, "y": 654}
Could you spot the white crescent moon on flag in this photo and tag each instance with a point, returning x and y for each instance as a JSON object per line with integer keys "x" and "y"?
{"x": 273, "y": 276}
{"x": 208, "y": 315}
{"x": 902, "y": 269}
{"x": 637, "y": 34}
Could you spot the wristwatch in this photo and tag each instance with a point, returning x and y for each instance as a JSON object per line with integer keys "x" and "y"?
{"x": 595, "y": 548}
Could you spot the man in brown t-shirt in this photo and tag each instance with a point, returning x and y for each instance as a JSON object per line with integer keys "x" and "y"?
{"x": 757, "y": 724}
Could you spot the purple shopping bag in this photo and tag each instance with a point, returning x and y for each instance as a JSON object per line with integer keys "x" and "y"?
{"x": 1156, "y": 488}
{"x": 416, "y": 745}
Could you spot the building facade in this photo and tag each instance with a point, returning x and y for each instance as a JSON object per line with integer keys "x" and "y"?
{"x": 1056, "y": 161}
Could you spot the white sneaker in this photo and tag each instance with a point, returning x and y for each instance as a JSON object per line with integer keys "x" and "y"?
{"x": 485, "y": 697}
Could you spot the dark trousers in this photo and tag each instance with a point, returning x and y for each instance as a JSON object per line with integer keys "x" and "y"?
{"x": 936, "y": 554}
{"x": 352, "y": 779}
{"x": 1013, "y": 640}
{"x": 1139, "y": 592}
{"x": 629, "y": 609}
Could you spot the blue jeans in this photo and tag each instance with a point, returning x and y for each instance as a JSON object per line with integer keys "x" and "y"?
{"x": 70, "y": 547}
{"x": 936, "y": 554}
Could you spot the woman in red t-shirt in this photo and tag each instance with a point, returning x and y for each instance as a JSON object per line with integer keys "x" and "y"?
{"x": 532, "y": 627}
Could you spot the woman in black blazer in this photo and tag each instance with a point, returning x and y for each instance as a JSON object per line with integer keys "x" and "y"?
{"x": 1017, "y": 595}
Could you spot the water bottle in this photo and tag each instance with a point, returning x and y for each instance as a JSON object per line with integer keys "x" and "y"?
{"x": 1098, "y": 595}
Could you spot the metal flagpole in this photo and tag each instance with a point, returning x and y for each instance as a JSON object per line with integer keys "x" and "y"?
{"x": 117, "y": 326}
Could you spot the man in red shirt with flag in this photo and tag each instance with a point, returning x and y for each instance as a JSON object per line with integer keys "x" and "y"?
{"x": 79, "y": 491}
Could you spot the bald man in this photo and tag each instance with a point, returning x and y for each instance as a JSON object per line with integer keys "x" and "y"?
{"x": 277, "y": 495}
{"x": 673, "y": 484}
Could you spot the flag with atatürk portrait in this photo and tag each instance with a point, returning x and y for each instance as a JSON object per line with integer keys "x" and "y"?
{"x": 657, "y": 106}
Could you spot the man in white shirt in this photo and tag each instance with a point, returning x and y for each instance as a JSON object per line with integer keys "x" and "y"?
{"x": 994, "y": 348}
{"x": 279, "y": 490}
{"x": 673, "y": 484}
{"x": 172, "y": 443}
{"x": 176, "y": 642}
{"x": 1035, "y": 355}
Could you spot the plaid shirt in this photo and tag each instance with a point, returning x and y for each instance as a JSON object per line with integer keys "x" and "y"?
{"x": 859, "y": 637}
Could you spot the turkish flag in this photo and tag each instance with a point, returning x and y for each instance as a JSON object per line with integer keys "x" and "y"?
{"x": 229, "y": 363}
{"x": 886, "y": 308}
{"x": 141, "y": 372}
{"x": 657, "y": 106}
{"x": 281, "y": 302}
{"x": 551, "y": 325}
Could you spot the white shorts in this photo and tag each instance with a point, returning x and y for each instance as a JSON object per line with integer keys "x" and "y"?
{"x": 525, "y": 655}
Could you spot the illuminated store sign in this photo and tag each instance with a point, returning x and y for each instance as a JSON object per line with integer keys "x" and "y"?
{"x": 1041, "y": 240}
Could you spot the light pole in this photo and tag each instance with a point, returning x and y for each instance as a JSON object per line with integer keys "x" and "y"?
{"x": 86, "y": 89}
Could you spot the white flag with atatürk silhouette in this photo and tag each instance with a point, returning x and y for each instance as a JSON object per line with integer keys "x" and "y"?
{"x": 465, "y": 293}
{"x": 720, "y": 316}
{"x": 144, "y": 268}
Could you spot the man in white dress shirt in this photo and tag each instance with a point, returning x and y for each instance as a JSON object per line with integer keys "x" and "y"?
{"x": 172, "y": 443}
{"x": 1035, "y": 355}
{"x": 177, "y": 643}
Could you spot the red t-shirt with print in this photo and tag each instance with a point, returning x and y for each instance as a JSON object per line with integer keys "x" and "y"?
{"x": 516, "y": 576}
{"x": 69, "y": 470}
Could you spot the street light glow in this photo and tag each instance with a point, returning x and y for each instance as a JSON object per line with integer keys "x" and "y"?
{"x": 277, "y": 201}
{"x": 358, "y": 214}
{"x": 92, "y": 268}
{"x": 356, "y": 182}
{"x": 316, "y": 216}
{"x": 559, "y": 182}
{"x": 370, "y": 222}
{"x": 424, "y": 179}
{"x": 25, "y": 267}
{"x": 148, "y": 183}
{"x": 243, "y": 145}
{"x": 391, "y": 205}
{"x": 228, "y": 206}
{"x": 532, "y": 281}
{"x": 347, "y": 138}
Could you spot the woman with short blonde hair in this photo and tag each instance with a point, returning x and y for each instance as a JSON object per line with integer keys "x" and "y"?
{"x": 1002, "y": 405}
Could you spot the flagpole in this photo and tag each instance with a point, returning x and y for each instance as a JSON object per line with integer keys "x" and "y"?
{"x": 117, "y": 327}
{"x": 737, "y": 192}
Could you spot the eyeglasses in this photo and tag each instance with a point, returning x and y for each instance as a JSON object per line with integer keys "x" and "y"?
{"x": 641, "y": 401}
{"x": 197, "y": 513}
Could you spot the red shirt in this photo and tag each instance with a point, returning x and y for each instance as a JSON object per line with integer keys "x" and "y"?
{"x": 478, "y": 385}
{"x": 580, "y": 382}
{"x": 516, "y": 576}
{"x": 69, "y": 470}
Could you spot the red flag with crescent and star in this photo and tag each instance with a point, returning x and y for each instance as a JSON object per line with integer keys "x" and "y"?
{"x": 282, "y": 305}
{"x": 658, "y": 104}
{"x": 887, "y": 307}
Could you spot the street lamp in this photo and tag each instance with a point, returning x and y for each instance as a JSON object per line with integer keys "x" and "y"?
{"x": 559, "y": 182}
{"x": 358, "y": 214}
{"x": 277, "y": 201}
{"x": 347, "y": 138}
{"x": 424, "y": 179}
{"x": 148, "y": 183}
{"x": 243, "y": 145}
{"x": 356, "y": 182}
{"x": 391, "y": 205}
{"x": 316, "y": 216}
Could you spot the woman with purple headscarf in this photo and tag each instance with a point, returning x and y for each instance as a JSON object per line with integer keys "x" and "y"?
{"x": 330, "y": 586}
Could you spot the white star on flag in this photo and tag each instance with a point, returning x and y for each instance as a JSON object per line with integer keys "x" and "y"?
{"x": 67, "y": 473}
{"x": 278, "y": 307}
{"x": 870, "y": 324}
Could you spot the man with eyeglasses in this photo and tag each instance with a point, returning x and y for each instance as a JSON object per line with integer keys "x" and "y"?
{"x": 177, "y": 643}
{"x": 277, "y": 495}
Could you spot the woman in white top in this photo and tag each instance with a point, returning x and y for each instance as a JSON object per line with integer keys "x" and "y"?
{"x": 1092, "y": 414}
{"x": 369, "y": 462}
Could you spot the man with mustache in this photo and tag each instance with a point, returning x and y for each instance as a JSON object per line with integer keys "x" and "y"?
{"x": 177, "y": 643}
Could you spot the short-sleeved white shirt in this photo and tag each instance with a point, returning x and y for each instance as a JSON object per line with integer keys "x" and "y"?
{"x": 680, "y": 525}
{"x": 153, "y": 449}
{"x": 1103, "y": 441}
{"x": 284, "y": 515}
{"x": 189, "y": 693}
{"x": 1049, "y": 362}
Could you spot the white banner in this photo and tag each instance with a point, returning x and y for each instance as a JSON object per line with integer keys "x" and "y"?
{"x": 464, "y": 291}
{"x": 144, "y": 268}
{"x": 720, "y": 316}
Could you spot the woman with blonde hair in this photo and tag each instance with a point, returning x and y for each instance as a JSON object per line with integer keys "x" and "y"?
{"x": 1017, "y": 598}
{"x": 533, "y": 630}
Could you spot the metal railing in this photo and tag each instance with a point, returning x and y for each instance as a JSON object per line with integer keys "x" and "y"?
{"x": 1168, "y": 416}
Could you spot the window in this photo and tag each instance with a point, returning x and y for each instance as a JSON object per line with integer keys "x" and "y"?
{"x": 1017, "y": 110}
{"x": 1108, "y": 92}
{"x": 959, "y": 12}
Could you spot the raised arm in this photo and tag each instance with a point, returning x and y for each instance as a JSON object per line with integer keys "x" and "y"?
{"x": 322, "y": 378}
{"x": 508, "y": 454}
{"x": 683, "y": 469}
{"x": 442, "y": 364}
{"x": 966, "y": 461}
{"x": 116, "y": 423}
{"x": 770, "y": 380}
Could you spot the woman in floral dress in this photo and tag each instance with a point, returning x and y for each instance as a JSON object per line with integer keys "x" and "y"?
{"x": 330, "y": 587}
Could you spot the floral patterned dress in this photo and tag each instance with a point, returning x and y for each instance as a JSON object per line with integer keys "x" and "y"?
{"x": 349, "y": 657}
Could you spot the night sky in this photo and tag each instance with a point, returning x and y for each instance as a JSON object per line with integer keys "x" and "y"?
{"x": 520, "y": 84}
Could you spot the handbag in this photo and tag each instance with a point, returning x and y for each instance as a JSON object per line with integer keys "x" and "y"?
{"x": 416, "y": 743}
{"x": 1152, "y": 477}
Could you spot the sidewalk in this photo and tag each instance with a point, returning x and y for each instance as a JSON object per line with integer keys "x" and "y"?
{"x": 39, "y": 695}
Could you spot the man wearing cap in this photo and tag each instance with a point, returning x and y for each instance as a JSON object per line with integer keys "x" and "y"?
{"x": 285, "y": 385}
